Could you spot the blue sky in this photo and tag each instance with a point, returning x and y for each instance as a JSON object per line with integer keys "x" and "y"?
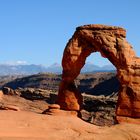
{"x": 36, "y": 31}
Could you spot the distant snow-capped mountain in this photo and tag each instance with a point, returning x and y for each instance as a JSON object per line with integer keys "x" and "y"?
{"x": 89, "y": 67}
{"x": 54, "y": 68}
{"x": 21, "y": 69}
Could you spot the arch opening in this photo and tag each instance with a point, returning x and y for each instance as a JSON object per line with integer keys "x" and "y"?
{"x": 97, "y": 80}
{"x": 96, "y": 63}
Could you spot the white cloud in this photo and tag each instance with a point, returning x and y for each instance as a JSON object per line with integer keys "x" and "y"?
{"x": 19, "y": 62}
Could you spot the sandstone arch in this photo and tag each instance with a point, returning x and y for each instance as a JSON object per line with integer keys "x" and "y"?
{"x": 111, "y": 43}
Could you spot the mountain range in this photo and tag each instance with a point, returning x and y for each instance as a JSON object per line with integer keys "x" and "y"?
{"x": 29, "y": 69}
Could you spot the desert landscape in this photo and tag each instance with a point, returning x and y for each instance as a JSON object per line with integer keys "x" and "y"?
{"x": 27, "y": 120}
{"x": 34, "y": 93}
{"x": 69, "y": 70}
{"x": 96, "y": 106}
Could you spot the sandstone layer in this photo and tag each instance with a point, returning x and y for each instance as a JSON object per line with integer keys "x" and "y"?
{"x": 111, "y": 42}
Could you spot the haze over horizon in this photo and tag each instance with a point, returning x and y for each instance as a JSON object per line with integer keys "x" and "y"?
{"x": 24, "y": 63}
{"x": 36, "y": 32}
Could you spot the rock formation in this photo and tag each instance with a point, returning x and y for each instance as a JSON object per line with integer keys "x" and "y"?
{"x": 110, "y": 41}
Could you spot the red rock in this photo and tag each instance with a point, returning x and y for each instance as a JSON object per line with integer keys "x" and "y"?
{"x": 122, "y": 119}
{"x": 9, "y": 107}
{"x": 70, "y": 98}
{"x": 58, "y": 112}
{"x": 110, "y": 41}
{"x": 54, "y": 106}
{"x": 1, "y": 95}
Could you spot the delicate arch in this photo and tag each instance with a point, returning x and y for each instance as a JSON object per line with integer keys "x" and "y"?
{"x": 111, "y": 43}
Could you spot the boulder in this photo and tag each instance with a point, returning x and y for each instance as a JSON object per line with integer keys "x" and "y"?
{"x": 54, "y": 106}
{"x": 8, "y": 91}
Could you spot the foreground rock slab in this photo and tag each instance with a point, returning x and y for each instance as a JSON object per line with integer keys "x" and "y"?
{"x": 32, "y": 126}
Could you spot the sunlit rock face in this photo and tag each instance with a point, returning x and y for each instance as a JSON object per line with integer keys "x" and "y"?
{"x": 111, "y": 42}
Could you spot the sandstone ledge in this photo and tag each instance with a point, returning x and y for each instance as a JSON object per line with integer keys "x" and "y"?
{"x": 116, "y": 29}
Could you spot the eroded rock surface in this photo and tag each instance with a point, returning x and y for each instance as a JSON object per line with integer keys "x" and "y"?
{"x": 111, "y": 42}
